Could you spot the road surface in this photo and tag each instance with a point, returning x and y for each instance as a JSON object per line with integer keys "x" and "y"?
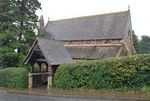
{"x": 26, "y": 97}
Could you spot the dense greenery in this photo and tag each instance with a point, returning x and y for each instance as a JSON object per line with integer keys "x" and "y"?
{"x": 141, "y": 46}
{"x": 13, "y": 78}
{"x": 17, "y": 29}
{"x": 144, "y": 44}
{"x": 135, "y": 42}
{"x": 9, "y": 58}
{"x": 116, "y": 73}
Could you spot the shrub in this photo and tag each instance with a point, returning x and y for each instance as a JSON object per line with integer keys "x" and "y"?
{"x": 9, "y": 58}
{"x": 114, "y": 73}
{"x": 13, "y": 77}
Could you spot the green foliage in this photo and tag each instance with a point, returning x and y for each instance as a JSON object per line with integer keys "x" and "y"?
{"x": 26, "y": 22}
{"x": 9, "y": 58}
{"x": 135, "y": 42}
{"x": 14, "y": 78}
{"x": 141, "y": 46}
{"x": 146, "y": 88}
{"x": 116, "y": 73}
{"x": 18, "y": 23}
{"x": 144, "y": 44}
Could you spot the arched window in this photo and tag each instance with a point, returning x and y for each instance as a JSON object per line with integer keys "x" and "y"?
{"x": 43, "y": 67}
{"x": 36, "y": 67}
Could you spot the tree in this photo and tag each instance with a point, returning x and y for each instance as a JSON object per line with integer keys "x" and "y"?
{"x": 25, "y": 21}
{"x": 144, "y": 44}
{"x": 135, "y": 42}
{"x": 17, "y": 29}
{"x": 7, "y": 37}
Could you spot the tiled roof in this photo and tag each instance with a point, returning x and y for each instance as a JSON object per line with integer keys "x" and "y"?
{"x": 105, "y": 26}
{"x": 53, "y": 51}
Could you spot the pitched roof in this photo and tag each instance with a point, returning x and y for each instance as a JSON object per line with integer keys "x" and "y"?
{"x": 54, "y": 52}
{"x": 105, "y": 26}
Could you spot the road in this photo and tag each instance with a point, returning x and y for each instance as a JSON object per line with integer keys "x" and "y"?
{"x": 25, "y": 97}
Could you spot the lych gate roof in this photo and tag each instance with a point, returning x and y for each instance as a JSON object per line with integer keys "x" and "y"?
{"x": 53, "y": 51}
{"x": 105, "y": 26}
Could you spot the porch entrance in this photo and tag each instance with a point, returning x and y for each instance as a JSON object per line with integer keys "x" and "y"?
{"x": 41, "y": 75}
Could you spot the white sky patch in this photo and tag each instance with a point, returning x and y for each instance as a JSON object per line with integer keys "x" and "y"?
{"x": 62, "y": 9}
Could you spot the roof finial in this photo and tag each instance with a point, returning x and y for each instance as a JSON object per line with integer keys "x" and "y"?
{"x": 48, "y": 19}
{"x": 128, "y": 7}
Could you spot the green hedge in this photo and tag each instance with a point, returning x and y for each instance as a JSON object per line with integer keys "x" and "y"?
{"x": 13, "y": 77}
{"x": 115, "y": 73}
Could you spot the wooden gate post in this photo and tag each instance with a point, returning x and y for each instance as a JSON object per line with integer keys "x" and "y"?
{"x": 30, "y": 85}
{"x": 50, "y": 78}
{"x": 50, "y": 82}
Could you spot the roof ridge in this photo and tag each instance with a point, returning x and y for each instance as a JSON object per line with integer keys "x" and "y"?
{"x": 86, "y": 16}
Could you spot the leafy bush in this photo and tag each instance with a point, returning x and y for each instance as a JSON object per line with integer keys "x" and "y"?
{"x": 9, "y": 59}
{"x": 146, "y": 88}
{"x": 115, "y": 73}
{"x": 13, "y": 77}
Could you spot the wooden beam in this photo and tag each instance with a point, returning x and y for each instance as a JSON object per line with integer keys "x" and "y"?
{"x": 39, "y": 73}
{"x": 50, "y": 78}
{"x": 127, "y": 47}
{"x": 119, "y": 52}
{"x": 94, "y": 45}
{"x": 125, "y": 43}
{"x": 30, "y": 85}
{"x": 41, "y": 60}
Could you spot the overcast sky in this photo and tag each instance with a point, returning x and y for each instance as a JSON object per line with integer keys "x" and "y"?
{"x": 62, "y": 9}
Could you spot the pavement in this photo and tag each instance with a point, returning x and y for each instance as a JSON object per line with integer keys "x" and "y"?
{"x": 62, "y": 95}
{"x": 24, "y": 97}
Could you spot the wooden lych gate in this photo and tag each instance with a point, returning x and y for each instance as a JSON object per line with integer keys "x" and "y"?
{"x": 41, "y": 73}
{"x": 44, "y": 58}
